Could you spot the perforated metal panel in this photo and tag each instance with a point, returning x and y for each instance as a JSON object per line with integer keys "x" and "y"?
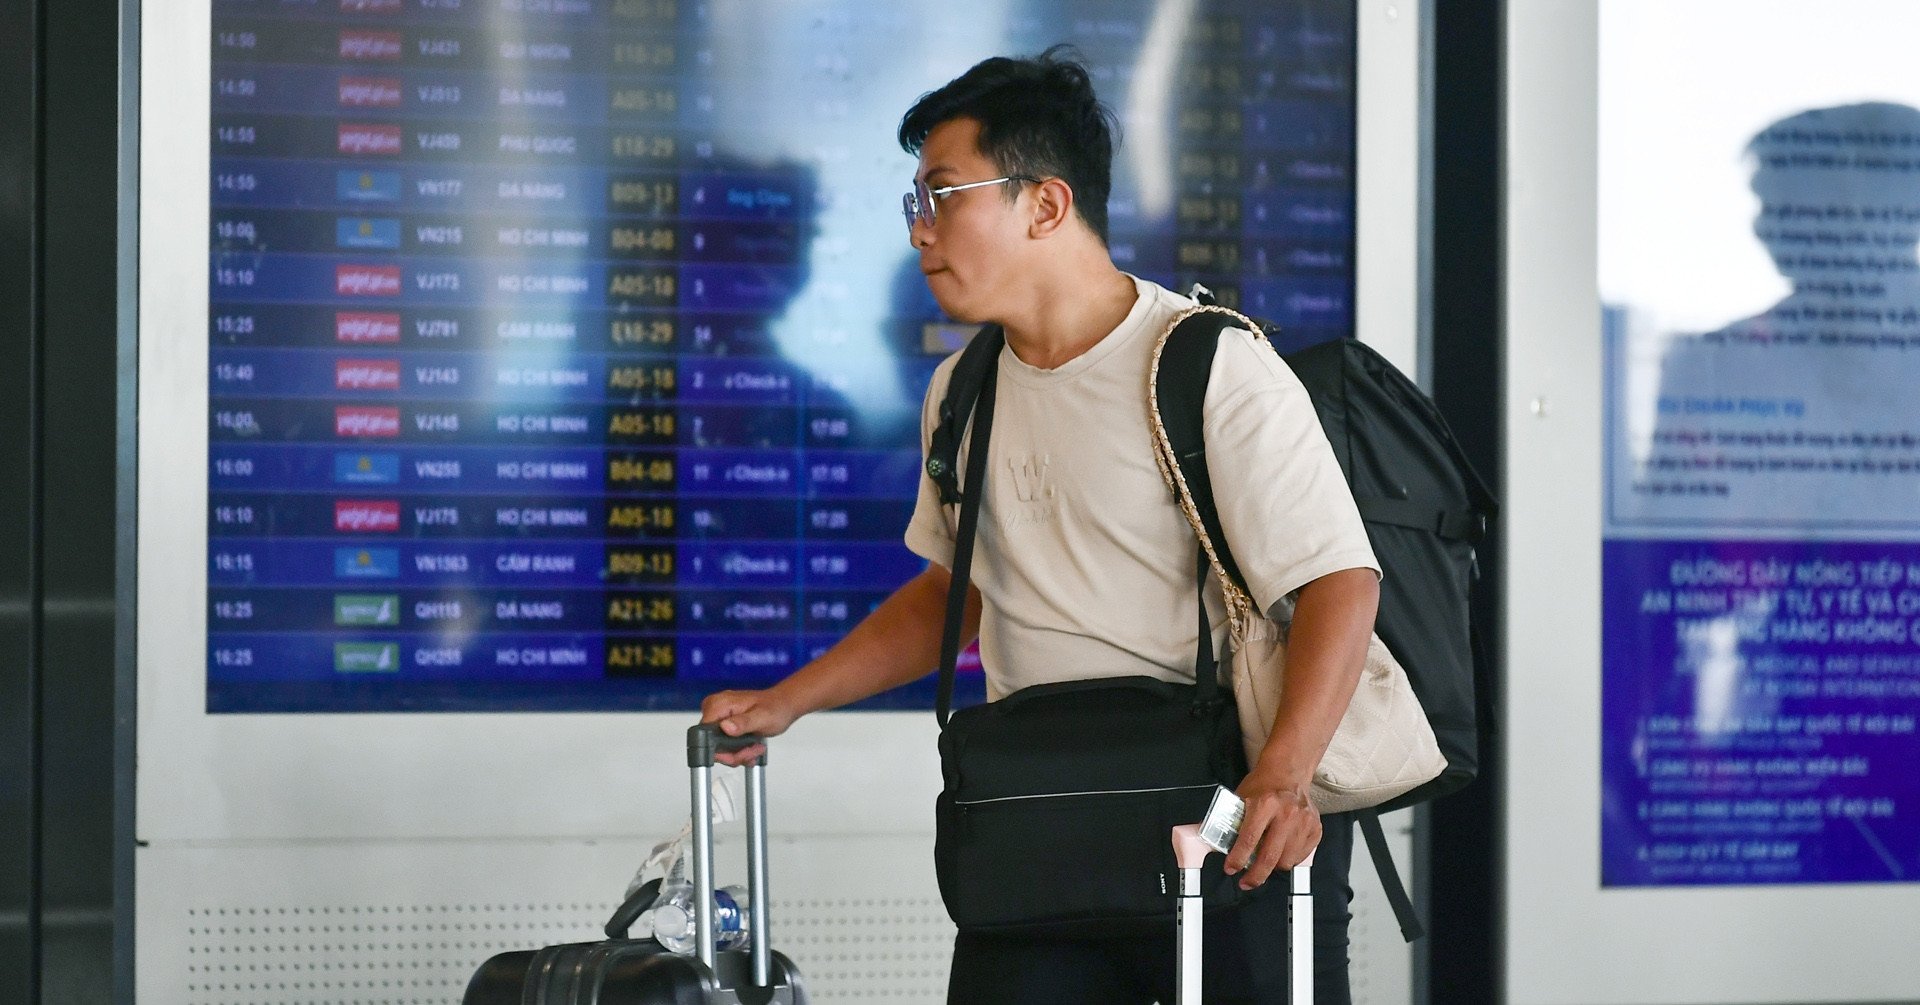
{"x": 870, "y": 949}
{"x": 249, "y": 952}
{"x": 388, "y": 923}
{"x": 363, "y": 923}
{"x": 892, "y": 949}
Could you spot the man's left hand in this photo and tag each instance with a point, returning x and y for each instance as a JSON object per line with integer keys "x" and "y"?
{"x": 1279, "y": 829}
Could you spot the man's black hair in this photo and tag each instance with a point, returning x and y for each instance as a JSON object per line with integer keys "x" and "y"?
{"x": 1038, "y": 116}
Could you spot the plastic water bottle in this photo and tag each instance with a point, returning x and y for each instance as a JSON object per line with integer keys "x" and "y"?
{"x": 673, "y": 922}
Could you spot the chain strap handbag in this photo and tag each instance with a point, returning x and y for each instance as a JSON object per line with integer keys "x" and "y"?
{"x": 1384, "y": 745}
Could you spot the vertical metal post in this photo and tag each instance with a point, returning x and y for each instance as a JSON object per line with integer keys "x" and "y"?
{"x": 1187, "y": 971}
{"x": 703, "y": 863}
{"x": 1300, "y": 933}
{"x": 757, "y": 872}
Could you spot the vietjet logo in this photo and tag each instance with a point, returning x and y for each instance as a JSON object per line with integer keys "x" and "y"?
{"x": 368, "y": 138}
{"x": 366, "y": 280}
{"x": 366, "y": 374}
{"x": 368, "y": 46}
{"x": 364, "y": 420}
{"x": 365, "y": 326}
{"x": 370, "y": 92}
{"x": 361, "y": 516}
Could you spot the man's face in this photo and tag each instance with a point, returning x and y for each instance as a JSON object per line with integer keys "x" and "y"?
{"x": 975, "y": 243}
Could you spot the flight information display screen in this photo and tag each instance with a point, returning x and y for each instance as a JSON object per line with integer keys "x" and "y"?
{"x": 568, "y": 354}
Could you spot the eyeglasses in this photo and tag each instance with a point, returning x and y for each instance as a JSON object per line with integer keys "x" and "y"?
{"x": 918, "y": 205}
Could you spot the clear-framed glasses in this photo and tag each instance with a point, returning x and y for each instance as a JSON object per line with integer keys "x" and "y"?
{"x": 918, "y": 205}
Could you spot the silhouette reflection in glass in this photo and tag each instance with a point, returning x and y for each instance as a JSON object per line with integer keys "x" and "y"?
{"x": 1800, "y": 416}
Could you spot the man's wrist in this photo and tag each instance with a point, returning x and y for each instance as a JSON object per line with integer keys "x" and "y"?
{"x": 1285, "y": 772}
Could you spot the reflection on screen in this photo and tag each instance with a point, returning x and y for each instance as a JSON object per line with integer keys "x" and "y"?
{"x": 567, "y": 354}
{"x": 1760, "y": 643}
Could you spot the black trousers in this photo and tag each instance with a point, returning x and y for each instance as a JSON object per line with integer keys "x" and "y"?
{"x": 1245, "y": 955}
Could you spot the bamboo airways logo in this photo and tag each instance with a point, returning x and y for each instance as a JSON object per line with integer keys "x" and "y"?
{"x": 366, "y": 657}
{"x": 364, "y": 609}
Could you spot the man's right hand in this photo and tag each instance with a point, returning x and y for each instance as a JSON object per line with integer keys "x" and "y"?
{"x": 897, "y": 643}
{"x": 738, "y": 713}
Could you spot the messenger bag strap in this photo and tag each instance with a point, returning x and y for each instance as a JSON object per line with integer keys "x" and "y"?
{"x": 971, "y": 493}
{"x": 1206, "y": 669}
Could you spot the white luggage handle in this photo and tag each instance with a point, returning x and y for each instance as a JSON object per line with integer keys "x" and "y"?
{"x": 1190, "y": 851}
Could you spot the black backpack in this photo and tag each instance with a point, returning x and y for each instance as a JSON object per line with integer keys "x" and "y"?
{"x": 1424, "y": 507}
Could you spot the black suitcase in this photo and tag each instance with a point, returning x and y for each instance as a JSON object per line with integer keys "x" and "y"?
{"x": 623, "y": 971}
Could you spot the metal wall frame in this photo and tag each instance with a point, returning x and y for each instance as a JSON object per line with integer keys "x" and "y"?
{"x": 64, "y": 841}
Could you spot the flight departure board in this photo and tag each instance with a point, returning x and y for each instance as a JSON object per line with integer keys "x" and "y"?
{"x": 568, "y": 354}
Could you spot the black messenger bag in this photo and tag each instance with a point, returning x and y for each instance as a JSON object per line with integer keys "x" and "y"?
{"x": 1060, "y": 799}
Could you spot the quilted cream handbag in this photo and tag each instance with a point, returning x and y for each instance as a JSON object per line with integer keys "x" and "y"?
{"x": 1384, "y": 745}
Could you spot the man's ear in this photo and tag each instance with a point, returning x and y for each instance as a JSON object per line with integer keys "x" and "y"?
{"x": 1052, "y": 208}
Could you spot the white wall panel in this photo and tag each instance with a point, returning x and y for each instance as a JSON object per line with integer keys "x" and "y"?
{"x": 1567, "y": 940}
{"x": 378, "y": 858}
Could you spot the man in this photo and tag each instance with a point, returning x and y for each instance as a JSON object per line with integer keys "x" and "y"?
{"x": 1085, "y": 565}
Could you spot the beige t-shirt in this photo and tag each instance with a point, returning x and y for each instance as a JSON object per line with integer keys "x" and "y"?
{"x": 1083, "y": 559}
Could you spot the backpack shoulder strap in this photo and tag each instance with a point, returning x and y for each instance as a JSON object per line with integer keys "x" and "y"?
{"x": 963, "y": 389}
{"x": 1180, "y": 391}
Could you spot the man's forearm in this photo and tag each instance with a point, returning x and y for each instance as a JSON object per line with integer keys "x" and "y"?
{"x": 1325, "y": 654}
{"x": 898, "y": 643}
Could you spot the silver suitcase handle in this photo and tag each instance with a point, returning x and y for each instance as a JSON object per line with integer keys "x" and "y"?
{"x": 703, "y": 742}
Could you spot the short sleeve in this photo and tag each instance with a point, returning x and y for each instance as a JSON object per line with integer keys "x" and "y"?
{"x": 1284, "y": 504}
{"x": 931, "y": 530}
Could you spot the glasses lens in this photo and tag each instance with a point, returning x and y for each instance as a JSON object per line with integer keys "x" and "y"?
{"x": 923, "y": 198}
{"x": 909, "y": 209}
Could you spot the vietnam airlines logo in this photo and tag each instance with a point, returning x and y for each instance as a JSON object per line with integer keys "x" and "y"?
{"x": 366, "y": 469}
{"x": 367, "y": 421}
{"x": 370, "y": 92}
{"x": 364, "y": 327}
{"x": 366, "y": 374}
{"x": 366, "y": 280}
{"x": 366, "y": 232}
{"x": 366, "y": 563}
{"x": 367, "y": 186}
{"x": 368, "y": 138}
{"x": 361, "y": 516}
{"x": 369, "y": 46}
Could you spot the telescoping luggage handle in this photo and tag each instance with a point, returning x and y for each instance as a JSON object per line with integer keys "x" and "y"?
{"x": 1190, "y": 851}
{"x": 703, "y": 742}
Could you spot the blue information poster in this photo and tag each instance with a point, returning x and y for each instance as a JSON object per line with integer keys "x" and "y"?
{"x": 568, "y": 354}
{"x": 1761, "y": 623}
